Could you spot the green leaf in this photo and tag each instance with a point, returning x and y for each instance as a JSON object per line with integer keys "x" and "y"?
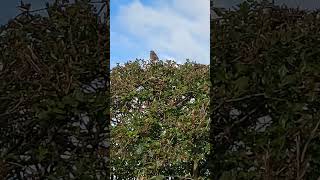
{"x": 42, "y": 153}
{"x": 228, "y": 175}
{"x": 85, "y": 177}
{"x": 241, "y": 84}
{"x": 44, "y": 115}
{"x": 161, "y": 177}
{"x": 57, "y": 110}
{"x": 52, "y": 177}
{"x": 283, "y": 71}
{"x": 218, "y": 11}
{"x": 289, "y": 79}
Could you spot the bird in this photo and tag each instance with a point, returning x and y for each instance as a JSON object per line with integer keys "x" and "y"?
{"x": 153, "y": 57}
{"x": 24, "y": 7}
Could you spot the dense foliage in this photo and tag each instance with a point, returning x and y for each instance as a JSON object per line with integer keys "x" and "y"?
{"x": 161, "y": 126}
{"x": 265, "y": 74}
{"x": 50, "y": 126}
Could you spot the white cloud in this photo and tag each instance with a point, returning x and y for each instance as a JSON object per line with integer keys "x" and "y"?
{"x": 176, "y": 27}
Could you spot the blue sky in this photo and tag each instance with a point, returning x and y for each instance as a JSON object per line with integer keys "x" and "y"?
{"x": 174, "y": 29}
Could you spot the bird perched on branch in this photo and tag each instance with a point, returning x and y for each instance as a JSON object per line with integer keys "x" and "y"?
{"x": 153, "y": 57}
{"x": 24, "y": 8}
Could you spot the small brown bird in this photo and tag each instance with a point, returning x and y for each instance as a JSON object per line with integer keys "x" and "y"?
{"x": 153, "y": 57}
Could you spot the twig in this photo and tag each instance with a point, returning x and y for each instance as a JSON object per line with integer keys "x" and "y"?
{"x": 36, "y": 10}
{"x": 16, "y": 164}
{"x": 303, "y": 173}
{"x": 16, "y": 106}
{"x": 243, "y": 118}
{"x": 220, "y": 104}
{"x": 238, "y": 99}
{"x": 32, "y": 53}
{"x": 246, "y": 97}
{"x": 298, "y": 154}
{"x": 98, "y": 2}
{"x": 101, "y": 8}
{"x": 282, "y": 169}
{"x": 309, "y": 140}
{"x": 69, "y": 85}
{"x": 61, "y": 5}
